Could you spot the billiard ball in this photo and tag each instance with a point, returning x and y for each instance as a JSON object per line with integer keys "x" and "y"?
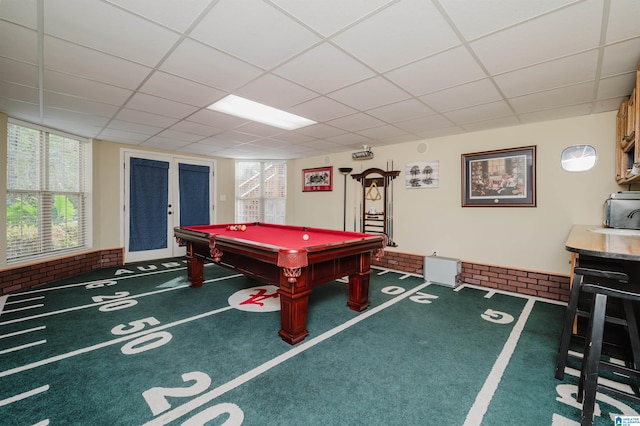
{"x": 305, "y": 237}
{"x": 243, "y": 227}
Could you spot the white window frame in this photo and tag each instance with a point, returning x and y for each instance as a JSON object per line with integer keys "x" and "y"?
{"x": 85, "y": 192}
{"x": 261, "y": 198}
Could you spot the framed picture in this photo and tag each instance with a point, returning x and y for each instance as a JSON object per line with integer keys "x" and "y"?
{"x": 422, "y": 175}
{"x": 318, "y": 179}
{"x": 503, "y": 178}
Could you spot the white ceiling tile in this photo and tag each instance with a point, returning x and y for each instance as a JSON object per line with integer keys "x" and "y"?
{"x": 18, "y": 43}
{"x": 321, "y": 131}
{"x": 403, "y": 110}
{"x": 275, "y": 91}
{"x": 160, "y": 106}
{"x": 329, "y": 16}
{"x": 619, "y": 59}
{"x": 253, "y": 31}
{"x": 323, "y": 144}
{"x": 178, "y": 89}
{"x": 237, "y": 137}
{"x": 116, "y": 135}
{"x": 561, "y": 72}
{"x": 18, "y": 72}
{"x": 475, "y": 19}
{"x": 615, "y": 87}
{"x": 178, "y": 15}
{"x": 435, "y": 73}
{"x": 179, "y": 136}
{"x": 258, "y": 129}
{"x": 399, "y": 34}
{"x": 134, "y": 127}
{"x": 27, "y": 111}
{"x": 370, "y": 94}
{"x": 80, "y": 87}
{"x": 466, "y": 95}
{"x": 209, "y": 66}
{"x": 219, "y": 142}
{"x": 541, "y": 39}
{"x": 477, "y": 126}
{"x": 266, "y": 143}
{"x": 356, "y": 122}
{"x": 424, "y": 124}
{"x": 132, "y": 38}
{"x": 483, "y": 112}
{"x": 22, "y": 12}
{"x": 55, "y": 116}
{"x": 196, "y": 128}
{"x": 321, "y": 109}
{"x": 216, "y": 119}
{"x": 145, "y": 118}
{"x": 336, "y": 69}
{"x": 350, "y": 139}
{"x": 19, "y": 92}
{"x": 382, "y": 132}
{"x": 556, "y": 113}
{"x": 606, "y": 105}
{"x": 199, "y": 148}
{"x": 164, "y": 143}
{"x": 292, "y": 137}
{"x": 72, "y": 59}
{"x": 562, "y": 97}
{"x": 73, "y": 103}
{"x": 623, "y": 20}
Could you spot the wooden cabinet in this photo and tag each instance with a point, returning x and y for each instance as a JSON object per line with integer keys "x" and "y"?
{"x": 627, "y": 137}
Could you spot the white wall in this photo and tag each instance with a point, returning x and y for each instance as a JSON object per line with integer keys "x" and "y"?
{"x": 432, "y": 219}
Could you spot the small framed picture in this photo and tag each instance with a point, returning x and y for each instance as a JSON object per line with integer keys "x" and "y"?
{"x": 318, "y": 179}
{"x": 503, "y": 178}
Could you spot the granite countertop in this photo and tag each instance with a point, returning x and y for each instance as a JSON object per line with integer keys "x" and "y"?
{"x": 613, "y": 246}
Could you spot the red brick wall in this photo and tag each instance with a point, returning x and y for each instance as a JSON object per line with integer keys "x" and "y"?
{"x": 27, "y": 276}
{"x": 532, "y": 283}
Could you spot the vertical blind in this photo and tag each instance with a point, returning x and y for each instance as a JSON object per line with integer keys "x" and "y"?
{"x": 261, "y": 191}
{"x": 47, "y": 193}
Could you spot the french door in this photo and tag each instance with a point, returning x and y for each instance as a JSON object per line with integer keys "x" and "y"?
{"x": 159, "y": 193}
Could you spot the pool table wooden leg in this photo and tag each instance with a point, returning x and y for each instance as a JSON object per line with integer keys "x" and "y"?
{"x": 359, "y": 284}
{"x": 294, "y": 304}
{"x": 195, "y": 268}
{"x": 359, "y": 291}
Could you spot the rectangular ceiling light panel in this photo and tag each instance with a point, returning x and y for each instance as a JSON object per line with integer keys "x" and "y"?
{"x": 255, "y": 111}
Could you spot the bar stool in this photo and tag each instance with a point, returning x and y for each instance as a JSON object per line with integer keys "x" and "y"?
{"x": 588, "y": 385}
{"x": 581, "y": 276}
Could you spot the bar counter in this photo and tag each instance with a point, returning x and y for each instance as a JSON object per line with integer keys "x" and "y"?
{"x": 615, "y": 246}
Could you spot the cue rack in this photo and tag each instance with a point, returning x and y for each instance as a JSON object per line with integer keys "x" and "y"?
{"x": 377, "y": 190}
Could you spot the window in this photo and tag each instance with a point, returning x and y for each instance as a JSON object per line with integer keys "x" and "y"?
{"x": 261, "y": 191}
{"x": 47, "y": 193}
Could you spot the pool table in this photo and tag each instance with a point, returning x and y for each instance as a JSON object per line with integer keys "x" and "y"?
{"x": 280, "y": 255}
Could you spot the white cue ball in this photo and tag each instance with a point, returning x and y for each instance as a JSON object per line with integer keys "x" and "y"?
{"x": 305, "y": 237}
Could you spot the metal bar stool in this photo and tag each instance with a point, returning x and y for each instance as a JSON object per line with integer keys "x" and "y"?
{"x": 580, "y": 277}
{"x": 592, "y": 363}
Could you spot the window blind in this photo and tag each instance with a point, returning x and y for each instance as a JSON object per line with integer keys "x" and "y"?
{"x": 47, "y": 193}
{"x": 261, "y": 191}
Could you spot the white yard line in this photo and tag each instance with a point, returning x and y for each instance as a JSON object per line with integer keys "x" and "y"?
{"x": 481, "y": 404}
{"x": 90, "y": 305}
{"x": 205, "y": 398}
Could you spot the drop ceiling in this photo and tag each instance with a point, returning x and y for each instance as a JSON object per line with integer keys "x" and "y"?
{"x": 369, "y": 72}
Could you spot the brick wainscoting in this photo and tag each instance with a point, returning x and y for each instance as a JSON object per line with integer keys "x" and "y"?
{"x": 532, "y": 283}
{"x": 34, "y": 274}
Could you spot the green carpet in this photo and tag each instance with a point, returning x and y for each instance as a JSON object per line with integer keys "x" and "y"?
{"x": 135, "y": 345}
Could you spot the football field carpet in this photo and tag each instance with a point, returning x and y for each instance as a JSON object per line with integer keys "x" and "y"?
{"x": 134, "y": 345}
